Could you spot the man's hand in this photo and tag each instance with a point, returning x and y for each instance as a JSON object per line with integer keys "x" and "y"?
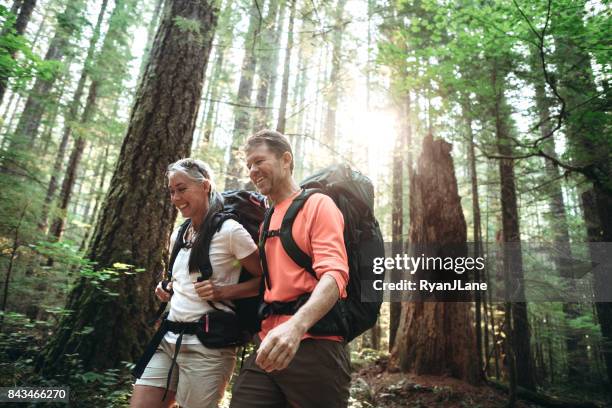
{"x": 281, "y": 343}
{"x": 207, "y": 290}
{"x": 279, "y": 346}
{"x": 161, "y": 294}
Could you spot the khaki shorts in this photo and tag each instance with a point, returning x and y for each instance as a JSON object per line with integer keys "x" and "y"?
{"x": 199, "y": 377}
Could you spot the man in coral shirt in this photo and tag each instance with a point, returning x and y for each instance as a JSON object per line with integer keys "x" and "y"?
{"x": 292, "y": 367}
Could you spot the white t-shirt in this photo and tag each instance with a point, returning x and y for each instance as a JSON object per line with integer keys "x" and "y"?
{"x": 228, "y": 245}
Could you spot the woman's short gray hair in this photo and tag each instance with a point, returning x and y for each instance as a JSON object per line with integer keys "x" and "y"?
{"x": 195, "y": 169}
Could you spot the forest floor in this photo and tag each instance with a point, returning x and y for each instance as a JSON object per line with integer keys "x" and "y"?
{"x": 374, "y": 386}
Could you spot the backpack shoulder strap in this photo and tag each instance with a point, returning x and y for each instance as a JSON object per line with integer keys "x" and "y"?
{"x": 178, "y": 244}
{"x": 263, "y": 236}
{"x": 289, "y": 245}
{"x": 215, "y": 226}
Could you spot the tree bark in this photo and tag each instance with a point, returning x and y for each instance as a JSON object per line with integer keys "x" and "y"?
{"x": 513, "y": 262}
{"x": 136, "y": 218}
{"x": 436, "y": 337}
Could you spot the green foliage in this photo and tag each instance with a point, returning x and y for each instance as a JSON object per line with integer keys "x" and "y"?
{"x": 20, "y": 344}
{"x": 190, "y": 27}
{"x": 28, "y": 65}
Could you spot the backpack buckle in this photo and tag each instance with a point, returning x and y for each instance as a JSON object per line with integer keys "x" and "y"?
{"x": 272, "y": 233}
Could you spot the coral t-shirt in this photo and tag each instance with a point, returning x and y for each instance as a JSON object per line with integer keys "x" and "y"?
{"x": 318, "y": 230}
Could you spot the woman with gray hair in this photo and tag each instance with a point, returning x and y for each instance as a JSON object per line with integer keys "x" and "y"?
{"x": 202, "y": 373}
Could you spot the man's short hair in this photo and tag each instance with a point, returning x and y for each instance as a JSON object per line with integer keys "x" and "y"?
{"x": 276, "y": 142}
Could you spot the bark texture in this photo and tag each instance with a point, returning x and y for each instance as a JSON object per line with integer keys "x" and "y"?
{"x": 436, "y": 337}
{"x": 136, "y": 218}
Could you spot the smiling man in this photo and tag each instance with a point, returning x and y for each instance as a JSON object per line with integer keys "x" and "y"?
{"x": 292, "y": 367}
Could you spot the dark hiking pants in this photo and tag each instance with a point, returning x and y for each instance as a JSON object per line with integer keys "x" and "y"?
{"x": 317, "y": 377}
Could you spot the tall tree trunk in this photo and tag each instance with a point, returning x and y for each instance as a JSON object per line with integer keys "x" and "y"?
{"x": 395, "y": 308}
{"x": 242, "y": 116}
{"x": 595, "y": 202}
{"x": 397, "y": 218}
{"x": 436, "y": 337}
{"x": 72, "y": 116}
{"x": 478, "y": 251}
{"x": 136, "y": 209}
{"x": 334, "y": 90}
{"x": 13, "y": 255}
{"x": 57, "y": 227}
{"x": 224, "y": 41}
{"x": 265, "y": 66}
{"x": 97, "y": 175}
{"x": 213, "y": 103}
{"x": 576, "y": 354}
{"x": 282, "y": 112}
{"x": 21, "y": 22}
{"x": 513, "y": 262}
{"x": 585, "y": 125}
{"x": 47, "y": 133}
{"x": 275, "y": 59}
{"x": 67, "y": 30}
{"x": 96, "y": 193}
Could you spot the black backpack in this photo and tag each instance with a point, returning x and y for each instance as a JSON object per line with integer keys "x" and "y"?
{"x": 353, "y": 193}
{"x": 248, "y": 208}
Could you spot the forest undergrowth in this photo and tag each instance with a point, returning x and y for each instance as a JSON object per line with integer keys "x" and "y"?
{"x": 374, "y": 383}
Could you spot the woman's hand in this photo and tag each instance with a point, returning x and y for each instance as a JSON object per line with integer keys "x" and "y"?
{"x": 162, "y": 294}
{"x": 207, "y": 290}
